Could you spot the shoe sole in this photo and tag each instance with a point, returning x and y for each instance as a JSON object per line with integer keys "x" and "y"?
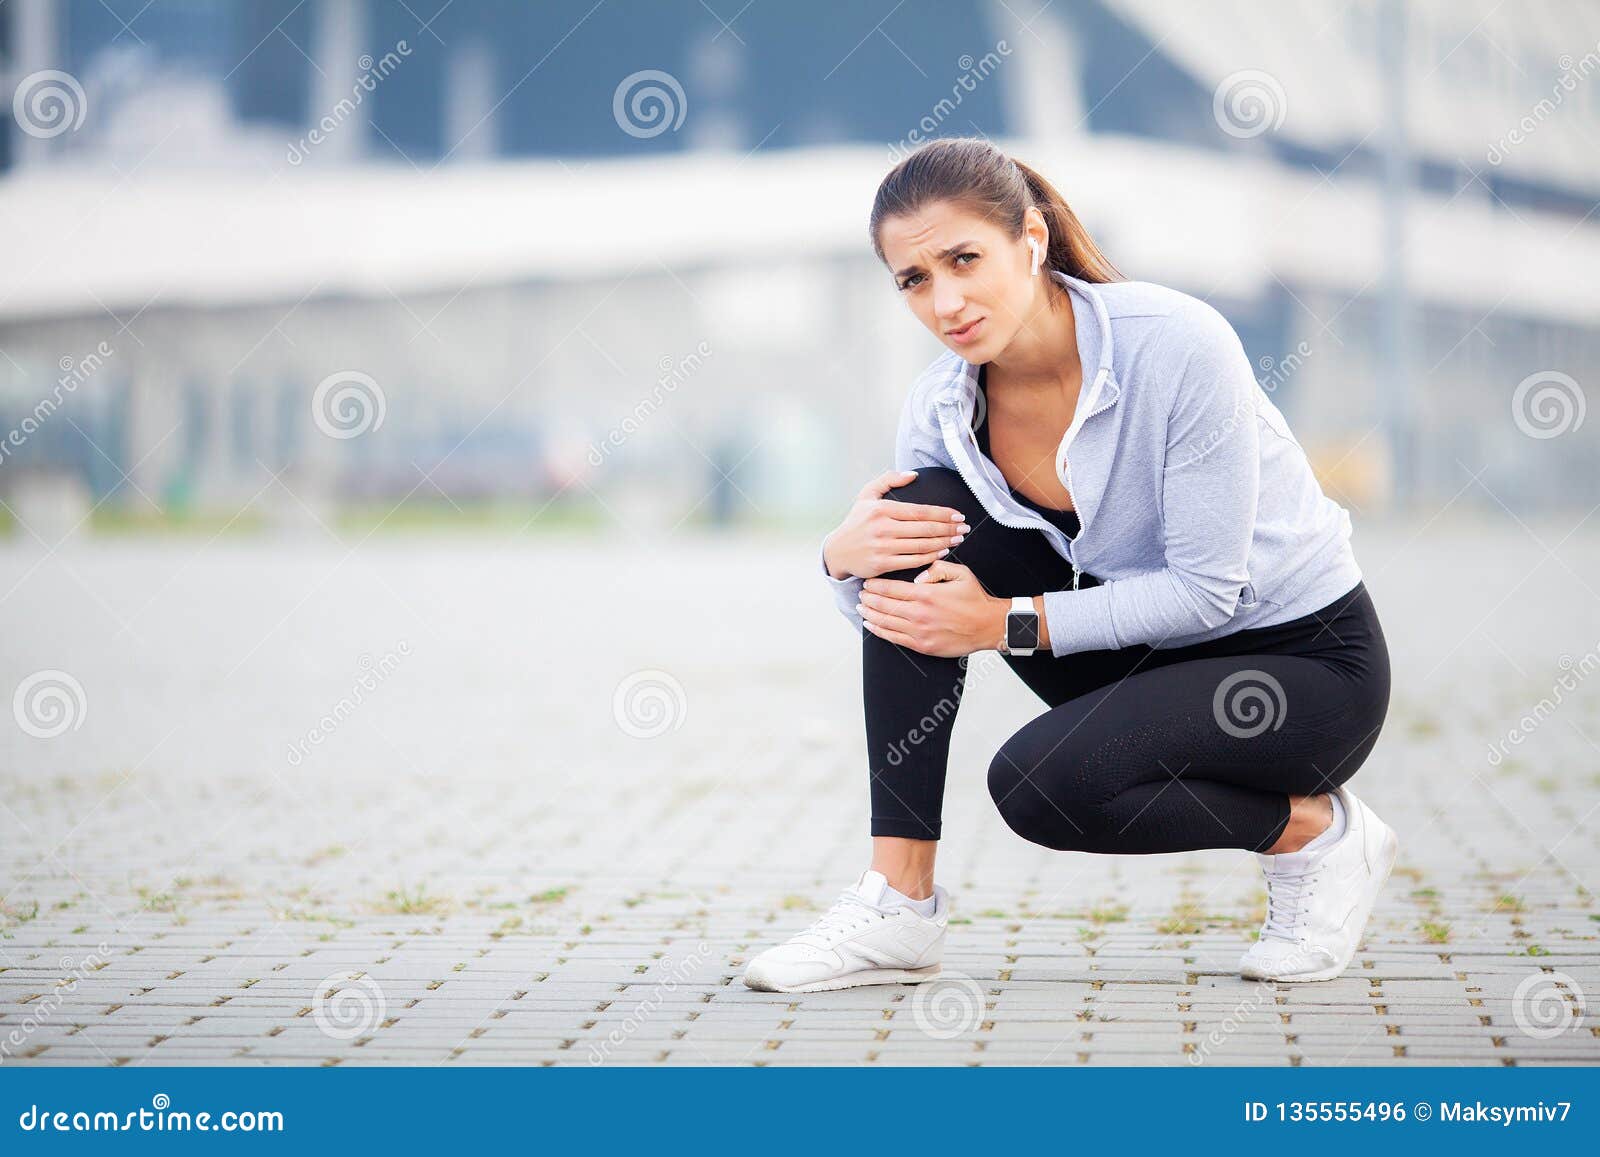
{"x": 1388, "y": 852}
{"x": 850, "y": 980}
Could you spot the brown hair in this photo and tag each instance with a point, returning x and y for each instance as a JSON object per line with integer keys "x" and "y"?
{"x": 971, "y": 172}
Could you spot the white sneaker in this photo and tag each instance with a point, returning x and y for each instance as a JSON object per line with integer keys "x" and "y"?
{"x": 1318, "y": 902}
{"x": 857, "y": 942}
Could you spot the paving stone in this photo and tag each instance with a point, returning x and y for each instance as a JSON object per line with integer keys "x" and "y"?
{"x": 483, "y": 867}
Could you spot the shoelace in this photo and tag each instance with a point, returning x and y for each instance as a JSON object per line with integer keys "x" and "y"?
{"x": 849, "y": 912}
{"x": 1287, "y": 895}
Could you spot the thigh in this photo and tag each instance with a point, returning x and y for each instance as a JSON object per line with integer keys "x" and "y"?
{"x": 1288, "y": 723}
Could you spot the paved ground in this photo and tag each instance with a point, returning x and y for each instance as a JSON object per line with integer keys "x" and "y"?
{"x": 576, "y": 786}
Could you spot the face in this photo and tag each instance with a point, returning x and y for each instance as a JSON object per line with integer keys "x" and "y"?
{"x": 963, "y": 277}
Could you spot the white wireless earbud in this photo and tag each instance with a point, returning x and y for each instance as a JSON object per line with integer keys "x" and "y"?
{"x": 1038, "y": 255}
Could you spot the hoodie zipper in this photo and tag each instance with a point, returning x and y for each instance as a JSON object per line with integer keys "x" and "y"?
{"x": 1083, "y": 525}
{"x": 1035, "y": 524}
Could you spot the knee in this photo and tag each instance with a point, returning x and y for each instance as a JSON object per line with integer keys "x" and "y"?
{"x": 937, "y": 486}
{"x": 1035, "y": 807}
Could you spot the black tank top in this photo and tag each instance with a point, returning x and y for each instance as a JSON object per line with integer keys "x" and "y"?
{"x": 1065, "y": 520}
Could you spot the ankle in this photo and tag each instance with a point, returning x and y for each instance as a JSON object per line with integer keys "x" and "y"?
{"x": 1309, "y": 817}
{"x": 911, "y": 885}
{"x": 906, "y": 864}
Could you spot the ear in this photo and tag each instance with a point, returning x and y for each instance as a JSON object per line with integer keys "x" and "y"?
{"x": 1034, "y": 228}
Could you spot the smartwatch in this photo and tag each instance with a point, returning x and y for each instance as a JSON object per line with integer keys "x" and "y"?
{"x": 1022, "y": 627}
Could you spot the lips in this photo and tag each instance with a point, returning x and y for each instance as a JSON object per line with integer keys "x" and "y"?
{"x": 966, "y": 332}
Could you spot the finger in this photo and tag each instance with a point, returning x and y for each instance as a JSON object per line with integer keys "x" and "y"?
{"x": 912, "y": 561}
{"x": 895, "y": 637}
{"x": 878, "y": 616}
{"x": 903, "y": 528}
{"x": 933, "y": 546}
{"x": 892, "y": 588}
{"x": 919, "y": 510}
{"x": 938, "y": 571}
{"x": 886, "y": 482}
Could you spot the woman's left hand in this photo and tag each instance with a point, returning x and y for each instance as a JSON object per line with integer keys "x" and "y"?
{"x": 944, "y": 612}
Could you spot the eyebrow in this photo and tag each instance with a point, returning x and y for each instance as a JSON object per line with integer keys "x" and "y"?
{"x": 958, "y": 247}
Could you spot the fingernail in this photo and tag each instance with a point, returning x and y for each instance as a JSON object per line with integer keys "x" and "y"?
{"x": 964, "y": 529}
{"x": 956, "y": 541}
{"x": 960, "y": 517}
{"x": 944, "y": 552}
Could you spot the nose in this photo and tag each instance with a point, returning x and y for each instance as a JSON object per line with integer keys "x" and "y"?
{"x": 948, "y": 300}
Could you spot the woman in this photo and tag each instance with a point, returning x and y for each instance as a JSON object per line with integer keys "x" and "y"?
{"x": 1090, "y": 481}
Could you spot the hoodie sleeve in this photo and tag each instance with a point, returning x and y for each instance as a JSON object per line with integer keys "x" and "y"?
{"x": 1209, "y": 489}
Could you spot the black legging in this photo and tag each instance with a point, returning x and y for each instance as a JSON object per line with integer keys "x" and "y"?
{"x": 1143, "y": 749}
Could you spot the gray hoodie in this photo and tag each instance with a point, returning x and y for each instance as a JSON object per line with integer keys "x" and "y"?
{"x": 1199, "y": 513}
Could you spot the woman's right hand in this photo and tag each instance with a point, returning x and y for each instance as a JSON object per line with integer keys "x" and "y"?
{"x": 883, "y": 534}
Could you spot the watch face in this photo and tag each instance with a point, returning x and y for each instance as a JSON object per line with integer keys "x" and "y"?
{"x": 1022, "y": 630}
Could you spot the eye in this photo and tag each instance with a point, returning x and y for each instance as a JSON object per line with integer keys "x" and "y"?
{"x": 961, "y": 256}
{"x": 910, "y": 282}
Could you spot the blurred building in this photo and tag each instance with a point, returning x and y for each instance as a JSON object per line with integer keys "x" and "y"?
{"x": 616, "y": 252}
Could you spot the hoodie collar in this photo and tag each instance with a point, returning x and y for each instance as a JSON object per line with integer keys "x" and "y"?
{"x": 1093, "y": 325}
